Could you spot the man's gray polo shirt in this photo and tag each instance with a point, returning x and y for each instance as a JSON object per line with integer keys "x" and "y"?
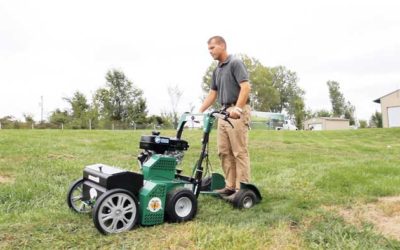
{"x": 226, "y": 79}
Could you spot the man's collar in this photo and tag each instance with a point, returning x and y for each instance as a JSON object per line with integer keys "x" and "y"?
{"x": 225, "y": 62}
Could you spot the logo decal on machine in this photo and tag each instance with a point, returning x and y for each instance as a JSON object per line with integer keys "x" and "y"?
{"x": 159, "y": 140}
{"x": 95, "y": 179}
{"x": 154, "y": 204}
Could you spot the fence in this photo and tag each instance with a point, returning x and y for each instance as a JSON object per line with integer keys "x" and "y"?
{"x": 108, "y": 126}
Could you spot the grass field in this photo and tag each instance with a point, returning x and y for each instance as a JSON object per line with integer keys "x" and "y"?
{"x": 301, "y": 175}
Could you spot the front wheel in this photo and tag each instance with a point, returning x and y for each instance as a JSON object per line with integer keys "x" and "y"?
{"x": 244, "y": 198}
{"x": 75, "y": 198}
{"x": 181, "y": 205}
{"x": 115, "y": 211}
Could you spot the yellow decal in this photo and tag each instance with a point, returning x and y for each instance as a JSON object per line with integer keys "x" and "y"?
{"x": 154, "y": 204}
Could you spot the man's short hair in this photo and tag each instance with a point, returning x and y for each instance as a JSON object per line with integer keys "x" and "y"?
{"x": 218, "y": 39}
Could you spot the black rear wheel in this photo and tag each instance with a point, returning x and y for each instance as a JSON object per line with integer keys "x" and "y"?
{"x": 181, "y": 205}
{"x": 244, "y": 198}
{"x": 75, "y": 198}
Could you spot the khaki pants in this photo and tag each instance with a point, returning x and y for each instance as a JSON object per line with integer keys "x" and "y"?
{"x": 233, "y": 149}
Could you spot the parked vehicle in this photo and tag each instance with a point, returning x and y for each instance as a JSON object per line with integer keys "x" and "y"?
{"x": 287, "y": 125}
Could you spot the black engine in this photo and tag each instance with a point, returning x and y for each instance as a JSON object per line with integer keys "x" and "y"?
{"x": 156, "y": 144}
{"x": 160, "y": 144}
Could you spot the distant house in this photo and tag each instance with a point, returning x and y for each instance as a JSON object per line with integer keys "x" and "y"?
{"x": 326, "y": 123}
{"x": 390, "y": 106}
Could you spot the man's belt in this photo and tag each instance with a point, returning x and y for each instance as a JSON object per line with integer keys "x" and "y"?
{"x": 228, "y": 105}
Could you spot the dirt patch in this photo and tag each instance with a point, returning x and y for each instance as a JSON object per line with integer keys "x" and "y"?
{"x": 60, "y": 156}
{"x": 6, "y": 179}
{"x": 384, "y": 214}
{"x": 285, "y": 236}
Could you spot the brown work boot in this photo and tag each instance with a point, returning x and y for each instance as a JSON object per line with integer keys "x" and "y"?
{"x": 225, "y": 191}
{"x": 231, "y": 197}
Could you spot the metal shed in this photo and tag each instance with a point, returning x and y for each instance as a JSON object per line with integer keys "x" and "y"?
{"x": 326, "y": 123}
{"x": 390, "y": 106}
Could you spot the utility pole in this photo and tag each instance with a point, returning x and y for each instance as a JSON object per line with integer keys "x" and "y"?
{"x": 41, "y": 109}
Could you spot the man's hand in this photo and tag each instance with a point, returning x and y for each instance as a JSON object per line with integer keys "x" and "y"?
{"x": 234, "y": 113}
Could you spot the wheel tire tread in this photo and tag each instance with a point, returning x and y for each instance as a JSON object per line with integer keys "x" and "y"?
{"x": 69, "y": 193}
{"x": 172, "y": 198}
{"x": 100, "y": 200}
{"x": 241, "y": 195}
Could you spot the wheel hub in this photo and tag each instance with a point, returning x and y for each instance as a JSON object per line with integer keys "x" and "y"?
{"x": 117, "y": 213}
{"x": 247, "y": 202}
{"x": 183, "y": 207}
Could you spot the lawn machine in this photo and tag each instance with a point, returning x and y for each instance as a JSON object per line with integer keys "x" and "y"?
{"x": 119, "y": 199}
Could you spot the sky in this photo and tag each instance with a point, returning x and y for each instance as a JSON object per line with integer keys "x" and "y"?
{"x": 54, "y": 48}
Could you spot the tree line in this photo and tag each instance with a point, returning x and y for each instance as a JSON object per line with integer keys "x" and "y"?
{"x": 120, "y": 104}
{"x": 276, "y": 89}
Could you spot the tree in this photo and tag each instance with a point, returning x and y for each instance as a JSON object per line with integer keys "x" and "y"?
{"x": 78, "y": 103}
{"x": 340, "y": 107}
{"x": 376, "y": 120}
{"x": 363, "y": 124}
{"x": 156, "y": 119}
{"x": 322, "y": 113}
{"x": 264, "y": 95}
{"x": 120, "y": 100}
{"x": 28, "y": 118}
{"x": 175, "y": 95}
{"x": 59, "y": 117}
{"x": 167, "y": 119}
{"x": 7, "y": 121}
{"x": 349, "y": 113}
{"x": 80, "y": 108}
{"x": 137, "y": 112}
{"x": 291, "y": 96}
{"x": 285, "y": 81}
{"x": 299, "y": 111}
{"x": 337, "y": 98}
{"x": 102, "y": 103}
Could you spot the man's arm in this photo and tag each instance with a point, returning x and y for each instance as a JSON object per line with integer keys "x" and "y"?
{"x": 210, "y": 99}
{"x": 242, "y": 100}
{"x": 243, "y": 94}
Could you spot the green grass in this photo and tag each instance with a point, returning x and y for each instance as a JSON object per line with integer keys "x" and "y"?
{"x": 298, "y": 173}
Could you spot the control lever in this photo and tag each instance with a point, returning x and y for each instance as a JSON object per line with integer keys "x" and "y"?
{"x": 230, "y": 123}
{"x": 224, "y": 115}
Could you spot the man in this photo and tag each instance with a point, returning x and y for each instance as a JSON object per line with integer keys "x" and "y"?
{"x": 230, "y": 85}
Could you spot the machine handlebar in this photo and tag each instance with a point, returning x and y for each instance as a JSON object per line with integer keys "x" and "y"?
{"x": 223, "y": 115}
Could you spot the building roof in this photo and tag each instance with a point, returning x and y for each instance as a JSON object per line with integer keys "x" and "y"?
{"x": 379, "y": 99}
{"x": 330, "y": 118}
